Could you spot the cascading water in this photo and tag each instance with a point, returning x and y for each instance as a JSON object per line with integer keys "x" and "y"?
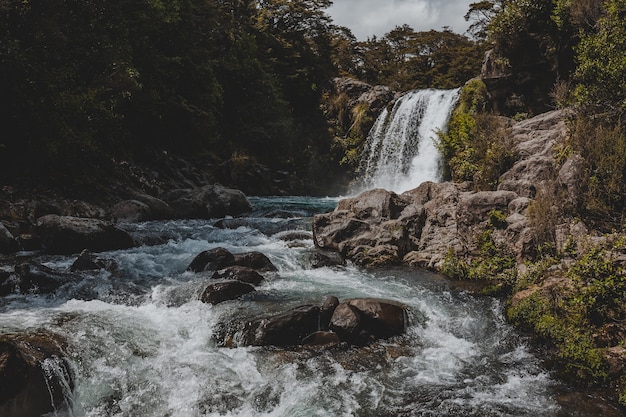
{"x": 143, "y": 345}
{"x": 401, "y": 151}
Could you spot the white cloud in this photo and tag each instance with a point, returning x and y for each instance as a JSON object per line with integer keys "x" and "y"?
{"x": 377, "y": 17}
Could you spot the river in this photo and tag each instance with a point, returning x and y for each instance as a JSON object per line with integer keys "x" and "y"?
{"x": 142, "y": 344}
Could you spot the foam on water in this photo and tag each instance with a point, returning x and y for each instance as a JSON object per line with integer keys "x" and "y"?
{"x": 152, "y": 353}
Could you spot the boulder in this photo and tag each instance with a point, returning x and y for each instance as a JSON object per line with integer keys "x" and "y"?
{"x": 324, "y": 259}
{"x": 66, "y": 235}
{"x": 87, "y": 261}
{"x": 225, "y": 291}
{"x": 159, "y": 209}
{"x": 327, "y": 310}
{"x": 286, "y": 329}
{"x": 255, "y": 260}
{"x": 8, "y": 244}
{"x": 239, "y": 273}
{"x": 375, "y": 228}
{"x": 35, "y": 376}
{"x": 210, "y": 201}
{"x": 31, "y": 277}
{"x": 8, "y": 283}
{"x": 131, "y": 211}
{"x": 212, "y": 259}
{"x": 346, "y": 322}
{"x": 374, "y": 204}
{"x": 360, "y": 321}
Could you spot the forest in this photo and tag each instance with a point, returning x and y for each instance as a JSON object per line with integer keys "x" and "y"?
{"x": 88, "y": 84}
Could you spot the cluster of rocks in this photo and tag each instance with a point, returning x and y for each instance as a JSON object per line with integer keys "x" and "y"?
{"x": 237, "y": 273}
{"x": 31, "y": 277}
{"x": 356, "y": 322}
{"x": 65, "y": 228}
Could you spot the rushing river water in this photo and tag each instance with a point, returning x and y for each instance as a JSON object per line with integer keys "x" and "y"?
{"x": 141, "y": 343}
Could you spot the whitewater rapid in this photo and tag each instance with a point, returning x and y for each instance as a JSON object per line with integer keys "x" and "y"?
{"x": 143, "y": 345}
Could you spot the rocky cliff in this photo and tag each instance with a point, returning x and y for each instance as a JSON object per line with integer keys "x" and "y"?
{"x": 420, "y": 227}
{"x": 562, "y": 280}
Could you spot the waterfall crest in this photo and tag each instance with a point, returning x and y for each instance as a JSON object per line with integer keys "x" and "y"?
{"x": 401, "y": 151}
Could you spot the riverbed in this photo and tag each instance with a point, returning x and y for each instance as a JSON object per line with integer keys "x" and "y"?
{"x": 142, "y": 344}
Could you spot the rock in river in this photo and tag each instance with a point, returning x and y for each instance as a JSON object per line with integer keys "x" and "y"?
{"x": 67, "y": 235}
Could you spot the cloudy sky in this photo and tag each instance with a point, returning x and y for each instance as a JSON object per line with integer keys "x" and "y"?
{"x": 377, "y": 17}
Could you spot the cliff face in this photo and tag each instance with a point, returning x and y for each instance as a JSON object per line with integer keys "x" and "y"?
{"x": 420, "y": 227}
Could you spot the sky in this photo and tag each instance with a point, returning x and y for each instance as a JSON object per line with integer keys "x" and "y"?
{"x": 377, "y": 17}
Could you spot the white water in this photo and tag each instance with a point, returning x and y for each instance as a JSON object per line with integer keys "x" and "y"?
{"x": 401, "y": 150}
{"x": 142, "y": 344}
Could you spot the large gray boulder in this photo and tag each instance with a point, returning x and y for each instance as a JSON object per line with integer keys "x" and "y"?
{"x": 67, "y": 235}
{"x": 210, "y": 201}
{"x": 362, "y": 320}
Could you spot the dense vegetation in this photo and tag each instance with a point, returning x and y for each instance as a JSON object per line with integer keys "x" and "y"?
{"x": 87, "y": 84}
{"x": 551, "y": 54}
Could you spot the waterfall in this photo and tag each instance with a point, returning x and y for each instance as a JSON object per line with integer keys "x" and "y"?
{"x": 401, "y": 151}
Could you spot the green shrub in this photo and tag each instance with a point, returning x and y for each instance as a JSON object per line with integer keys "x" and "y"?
{"x": 474, "y": 147}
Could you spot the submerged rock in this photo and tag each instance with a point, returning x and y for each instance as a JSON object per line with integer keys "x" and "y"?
{"x": 35, "y": 376}
{"x": 67, "y": 235}
{"x": 32, "y": 277}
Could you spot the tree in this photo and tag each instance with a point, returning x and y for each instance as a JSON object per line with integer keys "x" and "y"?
{"x": 601, "y": 71}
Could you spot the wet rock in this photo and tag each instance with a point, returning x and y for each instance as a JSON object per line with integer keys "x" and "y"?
{"x": 239, "y": 273}
{"x": 30, "y": 242}
{"x": 327, "y": 310}
{"x": 323, "y": 259}
{"x": 87, "y": 261}
{"x": 35, "y": 376}
{"x": 286, "y": 329}
{"x": 255, "y": 260}
{"x": 66, "y": 235}
{"x": 212, "y": 259}
{"x": 159, "y": 209}
{"x": 8, "y": 283}
{"x": 346, "y": 322}
{"x": 225, "y": 291}
{"x": 384, "y": 318}
{"x": 322, "y": 338}
{"x": 131, "y": 211}
{"x": 210, "y": 201}
{"x": 360, "y": 321}
{"x": 8, "y": 244}
{"x": 32, "y": 277}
